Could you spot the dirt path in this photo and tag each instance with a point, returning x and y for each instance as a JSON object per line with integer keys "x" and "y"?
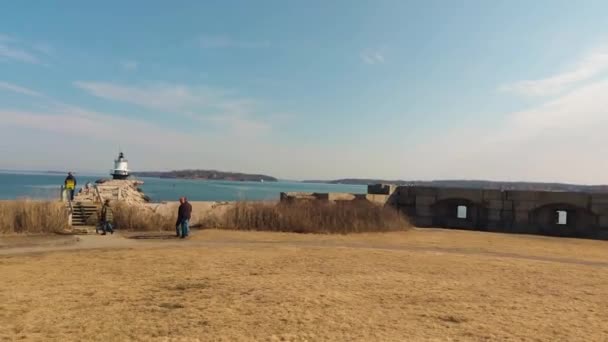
{"x": 35, "y": 245}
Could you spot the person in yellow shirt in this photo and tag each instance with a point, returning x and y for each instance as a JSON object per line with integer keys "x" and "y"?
{"x": 70, "y": 185}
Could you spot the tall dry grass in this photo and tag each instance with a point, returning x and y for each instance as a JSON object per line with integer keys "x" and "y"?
{"x": 135, "y": 217}
{"x": 304, "y": 217}
{"x": 314, "y": 217}
{"x": 32, "y": 217}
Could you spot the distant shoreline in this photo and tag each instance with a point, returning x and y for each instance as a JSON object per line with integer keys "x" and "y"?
{"x": 212, "y": 175}
{"x": 206, "y": 175}
{"x": 473, "y": 184}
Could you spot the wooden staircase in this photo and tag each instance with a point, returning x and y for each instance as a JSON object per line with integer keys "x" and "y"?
{"x": 82, "y": 212}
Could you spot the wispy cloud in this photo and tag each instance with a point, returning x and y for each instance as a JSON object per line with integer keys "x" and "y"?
{"x": 129, "y": 65}
{"x": 588, "y": 68}
{"x": 152, "y": 145}
{"x": 44, "y": 48}
{"x": 557, "y": 140}
{"x": 242, "y": 125}
{"x": 17, "y": 54}
{"x": 18, "y": 89}
{"x": 86, "y": 123}
{"x": 160, "y": 96}
{"x": 196, "y": 103}
{"x": 372, "y": 57}
{"x": 224, "y": 42}
{"x": 93, "y": 126}
{"x": 14, "y": 49}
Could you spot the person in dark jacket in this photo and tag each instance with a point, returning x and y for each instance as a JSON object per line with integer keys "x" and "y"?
{"x": 70, "y": 185}
{"x": 106, "y": 218}
{"x": 183, "y": 218}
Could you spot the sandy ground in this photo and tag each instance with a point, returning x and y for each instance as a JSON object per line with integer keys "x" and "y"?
{"x": 421, "y": 285}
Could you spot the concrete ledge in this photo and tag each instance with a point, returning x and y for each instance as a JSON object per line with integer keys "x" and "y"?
{"x": 328, "y": 196}
{"x": 294, "y": 196}
{"x": 339, "y": 196}
{"x": 378, "y": 199}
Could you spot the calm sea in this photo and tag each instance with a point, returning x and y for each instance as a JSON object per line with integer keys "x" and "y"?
{"x": 46, "y": 186}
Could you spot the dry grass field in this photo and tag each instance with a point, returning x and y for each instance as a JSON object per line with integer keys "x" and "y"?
{"x": 34, "y": 217}
{"x": 419, "y": 285}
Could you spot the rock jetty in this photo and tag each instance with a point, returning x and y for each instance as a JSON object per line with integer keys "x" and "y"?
{"x": 126, "y": 191}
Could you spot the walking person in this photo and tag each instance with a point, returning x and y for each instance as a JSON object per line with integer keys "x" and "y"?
{"x": 183, "y": 218}
{"x": 70, "y": 185}
{"x": 106, "y": 218}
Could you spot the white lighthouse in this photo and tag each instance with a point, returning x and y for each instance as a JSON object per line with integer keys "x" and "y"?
{"x": 121, "y": 167}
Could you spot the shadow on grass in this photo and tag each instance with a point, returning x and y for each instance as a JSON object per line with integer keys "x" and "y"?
{"x": 165, "y": 236}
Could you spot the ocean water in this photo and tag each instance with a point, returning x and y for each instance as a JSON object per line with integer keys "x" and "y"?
{"x": 46, "y": 186}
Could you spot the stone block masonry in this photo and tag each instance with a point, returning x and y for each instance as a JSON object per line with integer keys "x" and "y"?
{"x": 573, "y": 214}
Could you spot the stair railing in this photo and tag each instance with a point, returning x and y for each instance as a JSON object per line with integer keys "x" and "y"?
{"x": 99, "y": 197}
{"x": 70, "y": 213}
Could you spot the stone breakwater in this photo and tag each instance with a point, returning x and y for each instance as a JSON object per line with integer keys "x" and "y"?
{"x": 126, "y": 191}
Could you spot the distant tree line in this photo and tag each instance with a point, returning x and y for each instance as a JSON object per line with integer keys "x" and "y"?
{"x": 207, "y": 174}
{"x": 476, "y": 184}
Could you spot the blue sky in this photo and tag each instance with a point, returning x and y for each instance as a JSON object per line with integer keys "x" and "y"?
{"x": 506, "y": 90}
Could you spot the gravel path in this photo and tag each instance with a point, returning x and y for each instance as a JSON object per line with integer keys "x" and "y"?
{"x": 34, "y": 245}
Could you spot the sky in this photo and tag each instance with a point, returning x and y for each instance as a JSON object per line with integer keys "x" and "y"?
{"x": 418, "y": 90}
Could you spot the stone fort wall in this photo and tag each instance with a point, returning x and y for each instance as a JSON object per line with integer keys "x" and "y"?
{"x": 575, "y": 214}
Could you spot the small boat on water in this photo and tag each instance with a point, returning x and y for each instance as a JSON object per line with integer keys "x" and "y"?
{"x": 121, "y": 167}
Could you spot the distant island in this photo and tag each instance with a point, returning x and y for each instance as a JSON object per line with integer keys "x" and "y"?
{"x": 474, "y": 184}
{"x": 206, "y": 174}
{"x": 34, "y": 171}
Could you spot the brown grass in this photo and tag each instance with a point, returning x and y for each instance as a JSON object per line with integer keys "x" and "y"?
{"x": 32, "y": 217}
{"x": 314, "y": 217}
{"x": 218, "y": 287}
{"x": 136, "y": 217}
{"x": 305, "y": 217}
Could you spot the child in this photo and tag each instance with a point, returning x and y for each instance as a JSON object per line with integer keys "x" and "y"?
{"x": 106, "y": 218}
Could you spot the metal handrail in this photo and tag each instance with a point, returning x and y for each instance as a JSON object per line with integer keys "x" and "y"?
{"x": 114, "y": 192}
{"x": 70, "y": 213}
{"x": 71, "y": 207}
{"x": 99, "y": 197}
